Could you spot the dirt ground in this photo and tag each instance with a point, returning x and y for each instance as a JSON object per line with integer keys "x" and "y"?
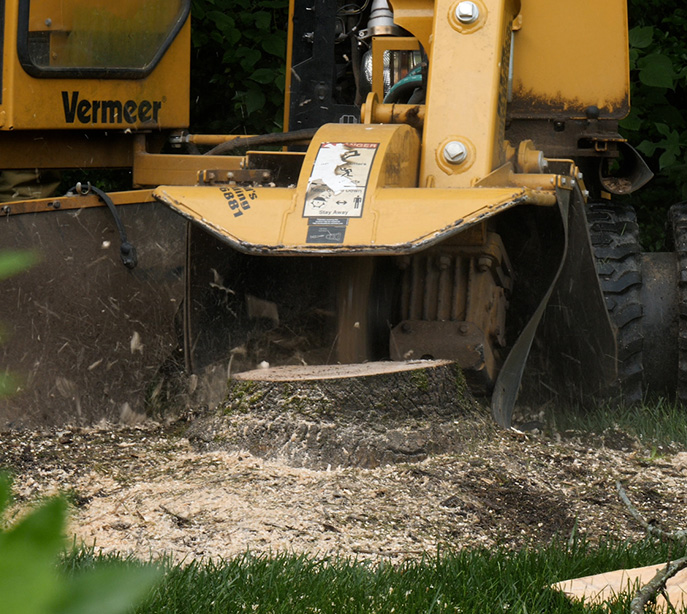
{"x": 150, "y": 489}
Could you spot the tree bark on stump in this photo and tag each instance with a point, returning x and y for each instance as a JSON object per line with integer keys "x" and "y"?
{"x": 341, "y": 415}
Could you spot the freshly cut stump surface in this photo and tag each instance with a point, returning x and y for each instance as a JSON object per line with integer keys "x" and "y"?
{"x": 364, "y": 415}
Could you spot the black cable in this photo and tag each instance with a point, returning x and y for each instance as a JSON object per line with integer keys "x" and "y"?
{"x": 127, "y": 252}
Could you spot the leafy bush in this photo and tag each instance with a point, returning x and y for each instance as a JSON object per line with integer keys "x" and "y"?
{"x": 657, "y": 124}
{"x": 237, "y": 65}
{"x": 29, "y": 579}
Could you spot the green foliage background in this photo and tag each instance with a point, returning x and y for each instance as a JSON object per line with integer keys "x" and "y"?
{"x": 239, "y": 50}
{"x": 237, "y": 65}
{"x": 657, "y": 124}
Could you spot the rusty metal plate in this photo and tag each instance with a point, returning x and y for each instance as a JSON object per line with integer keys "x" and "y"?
{"x": 462, "y": 342}
{"x": 85, "y": 336}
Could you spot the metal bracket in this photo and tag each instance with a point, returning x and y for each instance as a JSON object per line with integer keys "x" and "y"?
{"x": 248, "y": 175}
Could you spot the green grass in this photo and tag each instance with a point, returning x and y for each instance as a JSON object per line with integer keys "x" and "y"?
{"x": 656, "y": 423}
{"x": 466, "y": 581}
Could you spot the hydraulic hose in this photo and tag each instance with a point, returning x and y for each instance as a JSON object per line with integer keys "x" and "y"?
{"x": 406, "y": 85}
{"x": 276, "y": 138}
{"x": 127, "y": 252}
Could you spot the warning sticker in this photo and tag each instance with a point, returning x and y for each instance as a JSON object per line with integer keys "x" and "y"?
{"x": 328, "y": 221}
{"x": 326, "y": 234}
{"x": 338, "y": 180}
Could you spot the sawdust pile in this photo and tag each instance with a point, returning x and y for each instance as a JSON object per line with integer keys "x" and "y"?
{"x": 148, "y": 490}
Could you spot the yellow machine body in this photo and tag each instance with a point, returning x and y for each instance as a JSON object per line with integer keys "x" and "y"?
{"x": 433, "y": 199}
{"x": 563, "y": 60}
{"x": 384, "y": 212}
{"x": 412, "y": 195}
{"x": 93, "y": 64}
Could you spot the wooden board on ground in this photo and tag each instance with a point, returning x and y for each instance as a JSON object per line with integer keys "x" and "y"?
{"x": 600, "y": 587}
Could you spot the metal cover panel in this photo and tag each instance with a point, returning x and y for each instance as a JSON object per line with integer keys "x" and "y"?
{"x": 85, "y": 335}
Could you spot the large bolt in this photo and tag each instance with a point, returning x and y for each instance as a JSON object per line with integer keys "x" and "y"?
{"x": 467, "y": 12}
{"x": 484, "y": 263}
{"x": 444, "y": 263}
{"x": 455, "y": 152}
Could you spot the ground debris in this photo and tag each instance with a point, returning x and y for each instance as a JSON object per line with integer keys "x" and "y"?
{"x": 145, "y": 489}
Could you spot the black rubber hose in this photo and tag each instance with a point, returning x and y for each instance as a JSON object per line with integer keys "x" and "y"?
{"x": 127, "y": 252}
{"x": 276, "y": 138}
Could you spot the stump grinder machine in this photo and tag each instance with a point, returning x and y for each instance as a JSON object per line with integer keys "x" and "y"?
{"x": 444, "y": 188}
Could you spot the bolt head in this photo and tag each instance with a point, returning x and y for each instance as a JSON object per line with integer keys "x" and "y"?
{"x": 444, "y": 263}
{"x": 455, "y": 152}
{"x": 467, "y": 12}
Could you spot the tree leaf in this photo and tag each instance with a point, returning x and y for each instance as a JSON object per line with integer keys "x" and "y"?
{"x": 5, "y": 493}
{"x": 641, "y": 37}
{"x": 263, "y": 20}
{"x": 8, "y": 383}
{"x": 249, "y": 57}
{"x": 13, "y": 262}
{"x": 109, "y": 589}
{"x": 274, "y": 44}
{"x": 647, "y": 148}
{"x": 632, "y": 122}
{"x": 663, "y": 129}
{"x": 254, "y": 99}
{"x": 666, "y": 159}
{"x": 28, "y": 551}
{"x": 263, "y": 75}
{"x": 656, "y": 70}
{"x": 221, "y": 20}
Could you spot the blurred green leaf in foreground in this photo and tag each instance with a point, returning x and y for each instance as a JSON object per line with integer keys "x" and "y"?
{"x": 11, "y": 263}
{"x": 30, "y": 580}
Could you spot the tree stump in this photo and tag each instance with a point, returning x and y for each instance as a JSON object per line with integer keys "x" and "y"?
{"x": 340, "y": 415}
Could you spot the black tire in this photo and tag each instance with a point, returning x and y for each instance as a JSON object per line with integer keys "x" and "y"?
{"x": 678, "y": 222}
{"x": 615, "y": 239}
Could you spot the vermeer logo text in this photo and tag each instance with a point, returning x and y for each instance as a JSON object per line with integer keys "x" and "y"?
{"x": 109, "y": 111}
